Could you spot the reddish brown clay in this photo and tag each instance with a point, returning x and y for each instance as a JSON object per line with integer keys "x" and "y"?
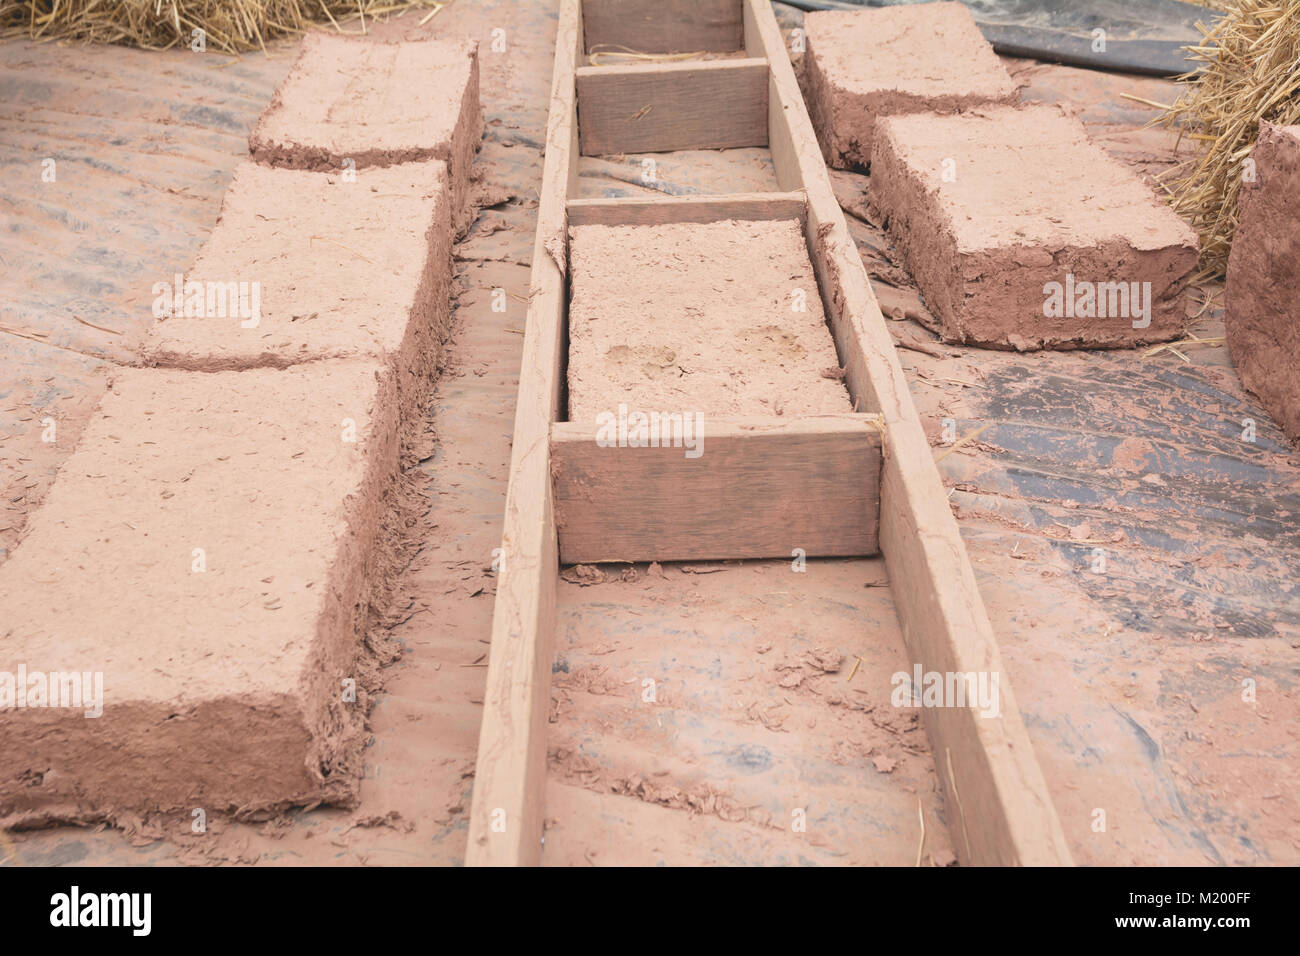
{"x": 722, "y": 318}
{"x": 342, "y": 269}
{"x": 361, "y": 103}
{"x": 1021, "y": 233}
{"x": 1263, "y": 289}
{"x": 925, "y": 58}
{"x": 208, "y": 552}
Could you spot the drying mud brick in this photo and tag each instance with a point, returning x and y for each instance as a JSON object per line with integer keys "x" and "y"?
{"x": 369, "y": 104}
{"x": 910, "y": 59}
{"x": 208, "y": 550}
{"x": 1023, "y": 234}
{"x": 720, "y": 318}
{"x": 1263, "y": 287}
{"x": 342, "y": 269}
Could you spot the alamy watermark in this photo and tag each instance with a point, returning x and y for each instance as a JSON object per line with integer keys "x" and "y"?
{"x": 626, "y": 429}
{"x": 974, "y": 689}
{"x": 1081, "y": 299}
{"x": 75, "y": 690}
{"x": 76, "y": 908}
{"x": 209, "y": 300}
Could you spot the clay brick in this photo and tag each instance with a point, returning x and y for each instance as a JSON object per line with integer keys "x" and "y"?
{"x": 376, "y": 104}
{"x": 345, "y": 269}
{"x": 929, "y": 57}
{"x": 222, "y": 688}
{"x": 1021, "y": 233}
{"x": 1263, "y": 286}
{"x": 698, "y": 317}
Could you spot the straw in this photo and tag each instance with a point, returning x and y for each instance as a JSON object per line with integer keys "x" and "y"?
{"x": 1249, "y": 71}
{"x": 605, "y": 53}
{"x": 230, "y": 26}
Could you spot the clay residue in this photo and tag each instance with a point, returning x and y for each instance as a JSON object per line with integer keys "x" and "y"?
{"x": 1022, "y": 234}
{"x": 697, "y": 720}
{"x": 1134, "y": 455}
{"x": 1263, "y": 287}
{"x": 908, "y": 59}
{"x": 720, "y": 318}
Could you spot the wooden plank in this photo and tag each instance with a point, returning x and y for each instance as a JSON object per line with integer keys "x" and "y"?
{"x": 505, "y": 826}
{"x": 1004, "y": 814}
{"x": 730, "y": 488}
{"x": 657, "y": 107}
{"x": 657, "y": 210}
{"x": 666, "y": 26}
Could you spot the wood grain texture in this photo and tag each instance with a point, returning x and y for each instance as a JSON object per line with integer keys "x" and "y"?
{"x": 1004, "y": 814}
{"x": 657, "y": 107}
{"x": 667, "y": 26}
{"x": 655, "y": 211}
{"x": 759, "y": 488}
{"x": 505, "y": 826}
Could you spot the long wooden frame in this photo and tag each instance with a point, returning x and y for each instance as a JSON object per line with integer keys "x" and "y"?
{"x": 1002, "y": 812}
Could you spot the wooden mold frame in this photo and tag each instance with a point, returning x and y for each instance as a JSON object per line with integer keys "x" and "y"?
{"x": 1001, "y": 812}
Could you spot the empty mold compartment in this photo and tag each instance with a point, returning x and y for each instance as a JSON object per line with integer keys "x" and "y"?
{"x": 675, "y": 78}
{"x": 671, "y": 27}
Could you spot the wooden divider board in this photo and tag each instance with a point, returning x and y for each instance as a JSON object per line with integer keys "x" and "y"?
{"x": 991, "y": 777}
{"x": 668, "y": 26}
{"x": 658, "y": 107}
{"x": 655, "y": 210}
{"x": 505, "y": 825}
{"x": 758, "y": 489}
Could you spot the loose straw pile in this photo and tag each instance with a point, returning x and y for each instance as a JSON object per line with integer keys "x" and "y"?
{"x": 1250, "y": 72}
{"x": 230, "y": 26}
